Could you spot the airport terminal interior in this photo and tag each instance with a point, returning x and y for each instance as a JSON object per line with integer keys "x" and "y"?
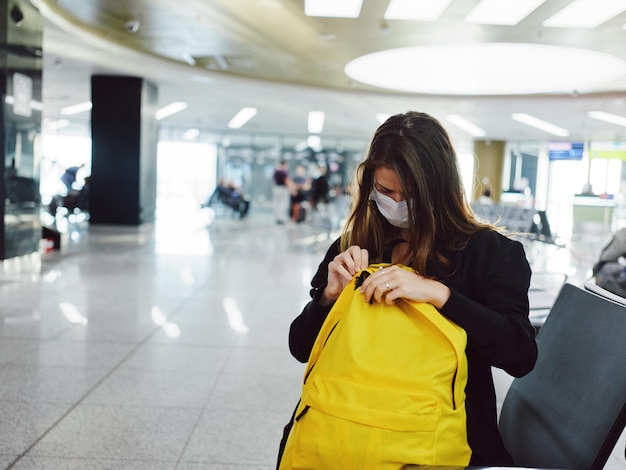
{"x": 164, "y": 346}
{"x": 162, "y": 343}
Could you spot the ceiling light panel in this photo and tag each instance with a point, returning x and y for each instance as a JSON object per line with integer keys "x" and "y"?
{"x": 486, "y": 68}
{"x": 608, "y": 117}
{"x": 316, "y": 122}
{"x": 189, "y": 59}
{"x": 243, "y": 116}
{"x": 502, "y": 12}
{"x": 540, "y": 124}
{"x": 76, "y": 108}
{"x": 191, "y": 134}
{"x": 586, "y": 13}
{"x": 469, "y": 127}
{"x": 172, "y": 108}
{"x": 416, "y": 10}
{"x": 333, "y": 8}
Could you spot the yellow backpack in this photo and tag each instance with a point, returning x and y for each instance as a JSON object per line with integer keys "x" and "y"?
{"x": 384, "y": 387}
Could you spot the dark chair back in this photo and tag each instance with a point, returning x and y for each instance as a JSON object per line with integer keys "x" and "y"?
{"x": 591, "y": 286}
{"x": 570, "y": 410}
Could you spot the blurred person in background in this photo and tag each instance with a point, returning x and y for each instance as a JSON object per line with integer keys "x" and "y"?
{"x": 281, "y": 192}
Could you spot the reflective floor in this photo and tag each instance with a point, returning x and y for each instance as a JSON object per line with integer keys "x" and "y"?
{"x": 165, "y": 346}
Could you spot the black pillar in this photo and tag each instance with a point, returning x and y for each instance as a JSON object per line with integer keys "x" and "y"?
{"x": 124, "y": 145}
{"x": 21, "y": 32}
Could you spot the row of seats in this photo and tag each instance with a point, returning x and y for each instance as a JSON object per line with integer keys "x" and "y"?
{"x": 527, "y": 222}
{"x": 570, "y": 411}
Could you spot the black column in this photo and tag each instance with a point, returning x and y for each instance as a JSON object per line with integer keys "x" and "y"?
{"x": 124, "y": 144}
{"x": 21, "y": 32}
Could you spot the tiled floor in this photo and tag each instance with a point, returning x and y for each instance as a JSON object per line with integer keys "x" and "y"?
{"x": 164, "y": 347}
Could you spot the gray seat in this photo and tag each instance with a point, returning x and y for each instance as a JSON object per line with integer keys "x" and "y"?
{"x": 570, "y": 410}
{"x": 591, "y": 286}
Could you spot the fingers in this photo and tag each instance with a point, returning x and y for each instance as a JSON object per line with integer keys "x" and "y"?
{"x": 359, "y": 257}
{"x": 378, "y": 284}
{"x": 342, "y": 269}
{"x": 387, "y": 284}
{"x": 350, "y": 262}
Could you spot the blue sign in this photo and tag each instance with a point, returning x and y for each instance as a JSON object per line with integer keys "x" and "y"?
{"x": 565, "y": 150}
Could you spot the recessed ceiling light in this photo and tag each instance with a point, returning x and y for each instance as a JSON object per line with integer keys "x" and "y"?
{"x": 539, "y": 124}
{"x": 486, "y": 68}
{"x": 243, "y": 116}
{"x": 382, "y": 117}
{"x": 191, "y": 134}
{"x": 586, "y": 13}
{"x": 221, "y": 62}
{"x": 201, "y": 79}
{"x": 509, "y": 13}
{"x": 189, "y": 59}
{"x": 333, "y": 8}
{"x": 608, "y": 117}
{"x": 76, "y": 108}
{"x": 416, "y": 10}
{"x": 172, "y": 108}
{"x": 327, "y": 36}
{"x": 469, "y": 127}
{"x": 316, "y": 122}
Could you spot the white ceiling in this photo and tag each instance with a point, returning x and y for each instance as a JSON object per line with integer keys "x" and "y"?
{"x": 285, "y": 64}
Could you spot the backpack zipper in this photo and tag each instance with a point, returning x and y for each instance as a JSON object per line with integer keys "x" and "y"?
{"x": 302, "y": 413}
{"x": 453, "y": 386}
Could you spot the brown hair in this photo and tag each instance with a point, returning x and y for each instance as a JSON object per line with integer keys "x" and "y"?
{"x": 417, "y": 147}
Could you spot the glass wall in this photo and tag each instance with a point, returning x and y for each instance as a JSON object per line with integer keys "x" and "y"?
{"x": 186, "y": 179}
{"x": 20, "y": 133}
{"x": 580, "y": 193}
{"x": 186, "y": 171}
{"x": 189, "y": 170}
{"x": 59, "y": 154}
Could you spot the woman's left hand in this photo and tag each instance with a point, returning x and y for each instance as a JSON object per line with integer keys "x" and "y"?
{"x": 392, "y": 282}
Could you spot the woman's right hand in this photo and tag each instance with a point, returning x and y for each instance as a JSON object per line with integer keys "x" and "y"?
{"x": 341, "y": 270}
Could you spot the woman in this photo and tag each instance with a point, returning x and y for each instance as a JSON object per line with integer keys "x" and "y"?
{"x": 410, "y": 202}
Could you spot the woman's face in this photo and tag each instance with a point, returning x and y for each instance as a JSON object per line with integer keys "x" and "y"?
{"x": 387, "y": 182}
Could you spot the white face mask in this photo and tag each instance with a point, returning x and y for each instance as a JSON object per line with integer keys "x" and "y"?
{"x": 396, "y": 213}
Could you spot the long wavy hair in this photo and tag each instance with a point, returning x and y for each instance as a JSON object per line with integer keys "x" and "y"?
{"x": 417, "y": 147}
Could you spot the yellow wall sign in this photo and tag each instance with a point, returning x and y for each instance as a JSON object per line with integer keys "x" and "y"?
{"x": 608, "y": 154}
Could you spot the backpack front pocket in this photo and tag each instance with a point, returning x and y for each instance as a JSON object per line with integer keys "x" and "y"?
{"x": 372, "y": 405}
